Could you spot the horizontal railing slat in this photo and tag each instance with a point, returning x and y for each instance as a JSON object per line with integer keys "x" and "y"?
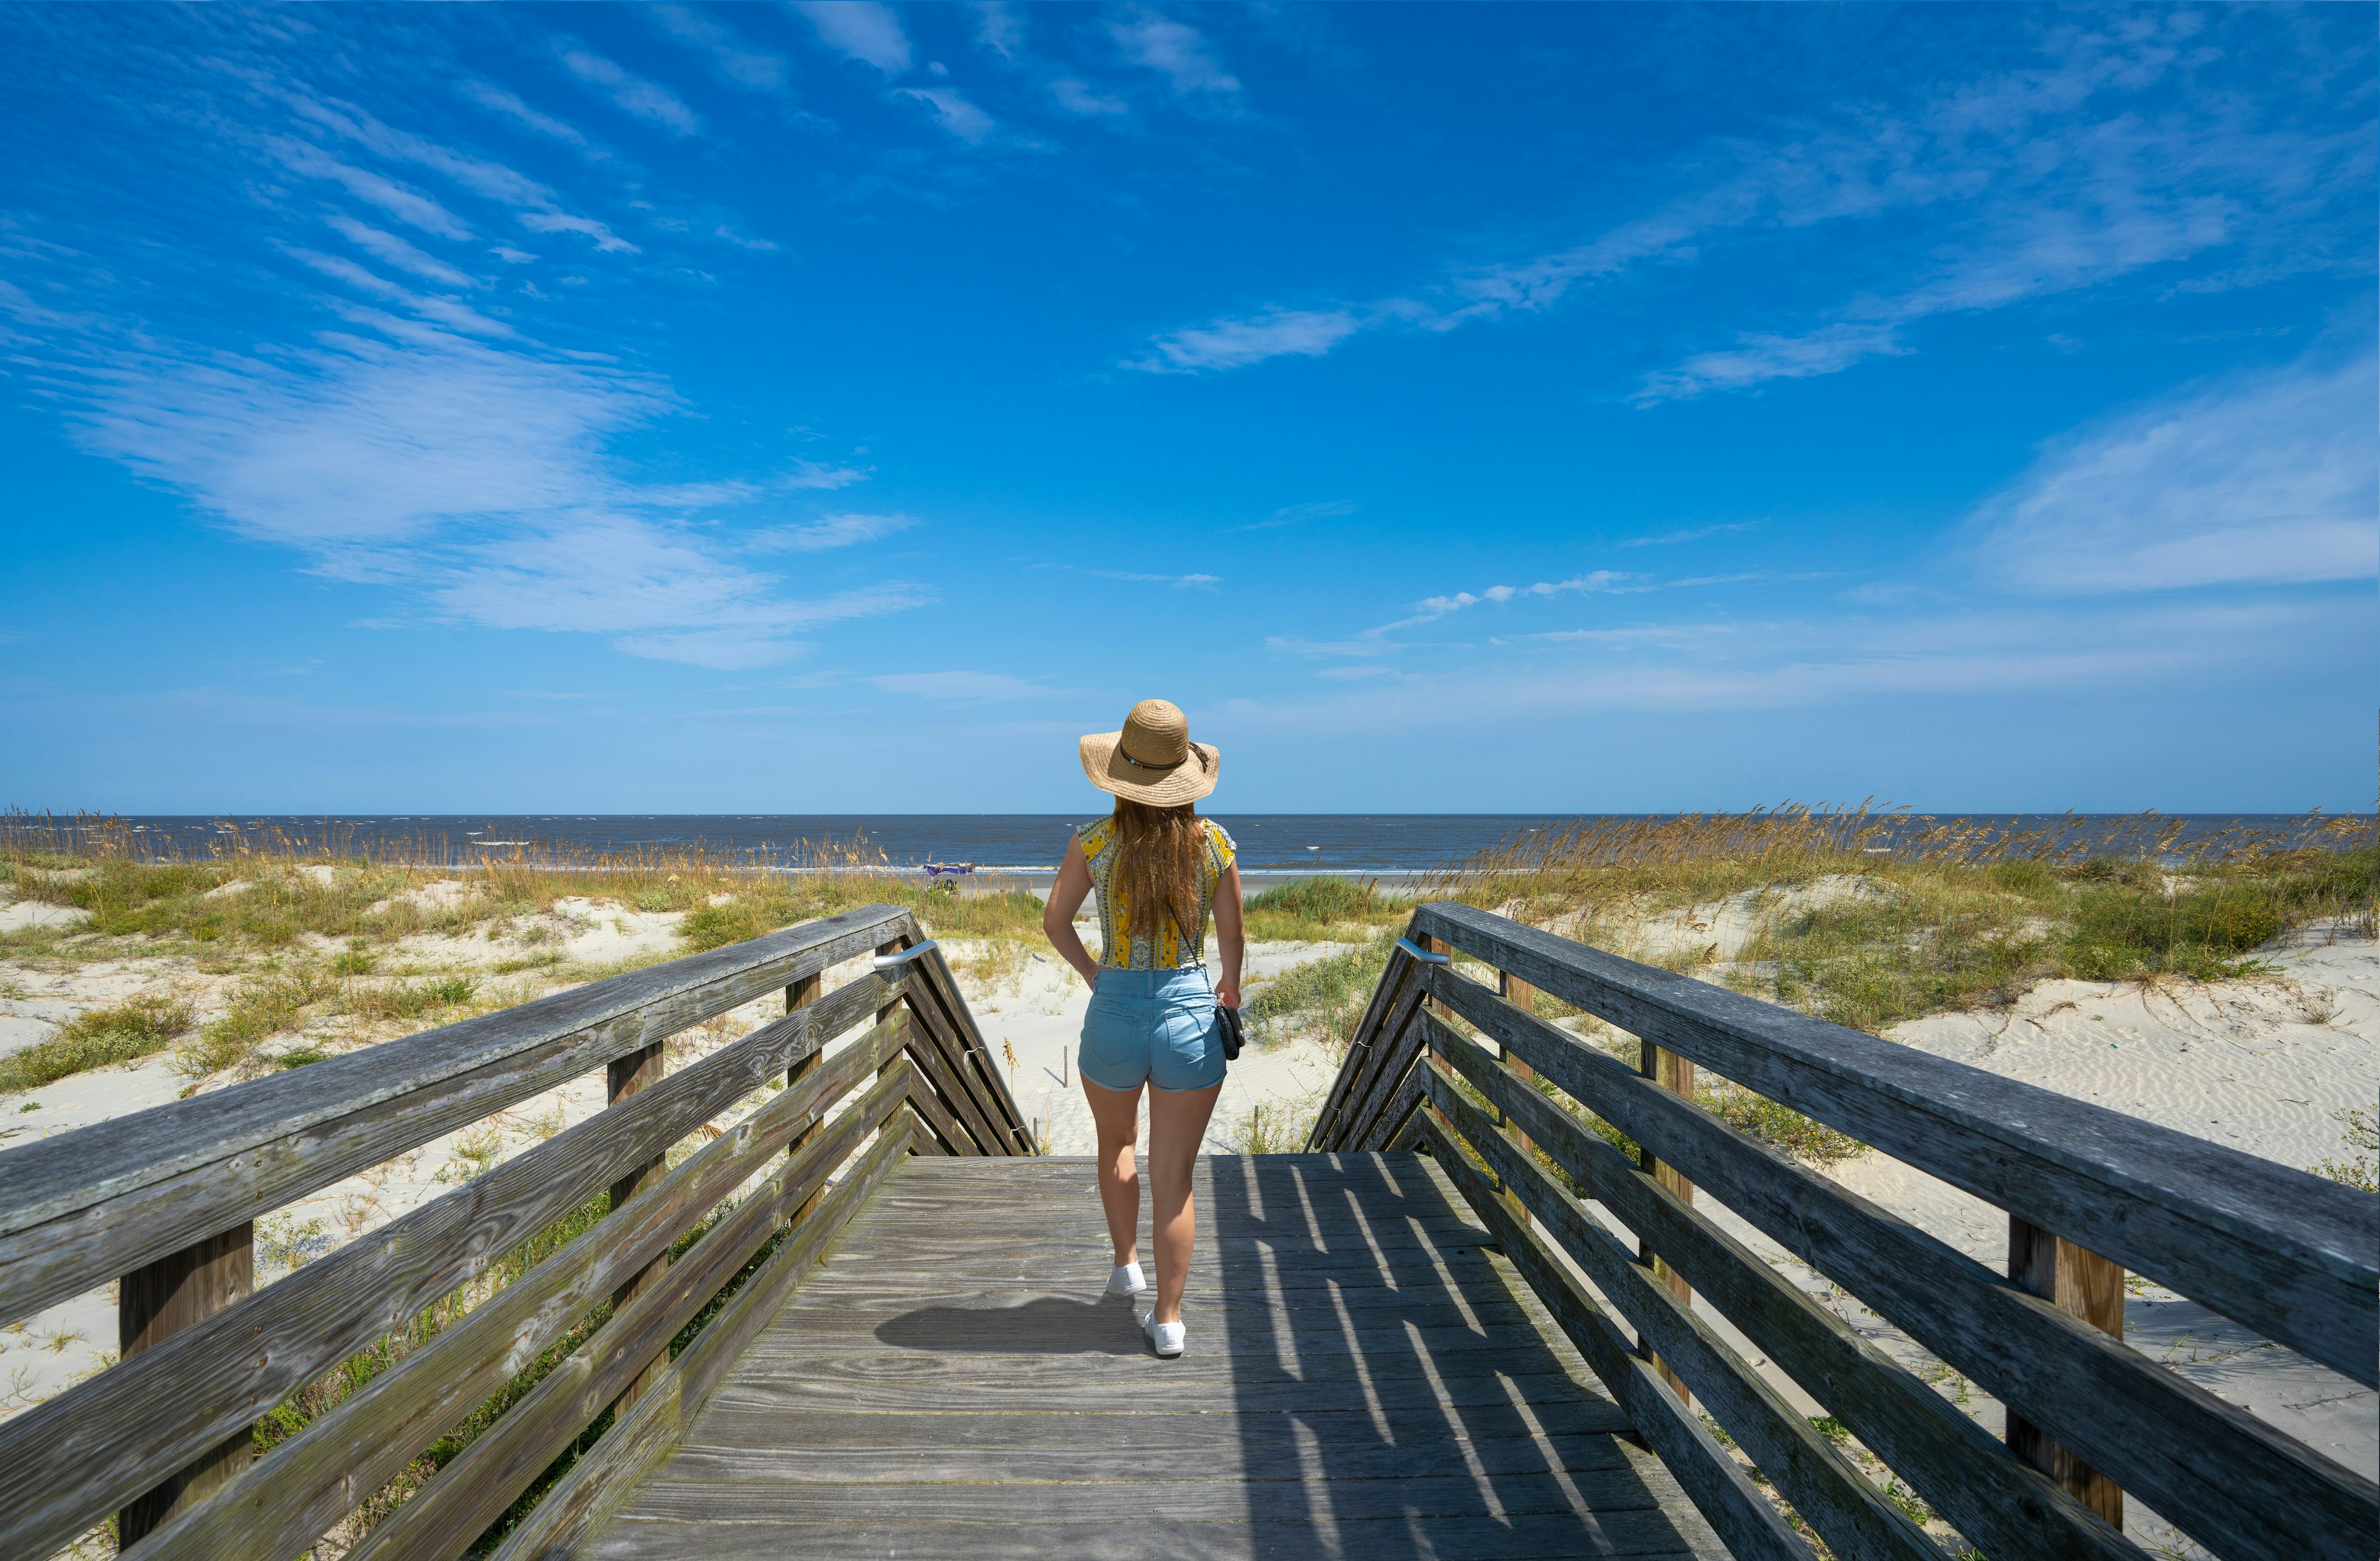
{"x": 1745, "y": 1523}
{"x": 71, "y": 1461}
{"x": 1994, "y": 1498}
{"x": 991, "y": 1089}
{"x": 2293, "y": 1256}
{"x": 82, "y": 1208}
{"x": 281, "y": 1504}
{"x": 1350, "y": 1078}
{"x": 474, "y": 1490}
{"x": 606, "y": 1477}
{"x": 2206, "y": 1465}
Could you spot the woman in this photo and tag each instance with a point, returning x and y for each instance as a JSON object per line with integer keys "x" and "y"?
{"x": 1159, "y": 870}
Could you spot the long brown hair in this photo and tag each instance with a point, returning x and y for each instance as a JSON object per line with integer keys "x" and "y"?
{"x": 1162, "y": 862}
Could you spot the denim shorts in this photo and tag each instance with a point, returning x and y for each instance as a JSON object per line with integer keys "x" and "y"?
{"x": 1152, "y": 1025}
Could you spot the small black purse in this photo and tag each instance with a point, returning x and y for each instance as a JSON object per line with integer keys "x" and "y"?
{"x": 1227, "y": 1021}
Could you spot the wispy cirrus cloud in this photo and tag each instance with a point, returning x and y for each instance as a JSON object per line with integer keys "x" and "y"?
{"x": 2265, "y": 478}
{"x": 950, "y": 110}
{"x": 1180, "y": 53}
{"x": 860, "y": 29}
{"x": 829, "y": 531}
{"x": 1298, "y": 514}
{"x": 1693, "y": 533}
{"x": 967, "y": 688}
{"x": 649, "y": 101}
{"x": 2025, "y": 183}
{"x": 735, "y": 58}
{"x": 1231, "y": 343}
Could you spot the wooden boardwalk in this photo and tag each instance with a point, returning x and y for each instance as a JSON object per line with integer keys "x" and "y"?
{"x": 1364, "y": 1379}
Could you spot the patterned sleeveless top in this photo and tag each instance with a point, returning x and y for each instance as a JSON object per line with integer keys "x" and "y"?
{"x": 1126, "y": 947}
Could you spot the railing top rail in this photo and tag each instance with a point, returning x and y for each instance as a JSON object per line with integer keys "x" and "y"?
{"x": 2291, "y": 1254}
{"x": 57, "y": 1177}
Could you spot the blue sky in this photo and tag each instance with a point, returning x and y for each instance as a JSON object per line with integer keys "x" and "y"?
{"x": 820, "y": 407}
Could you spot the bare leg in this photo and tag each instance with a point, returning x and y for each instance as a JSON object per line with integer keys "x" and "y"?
{"x": 1117, "y": 1114}
{"x": 1177, "y": 1124}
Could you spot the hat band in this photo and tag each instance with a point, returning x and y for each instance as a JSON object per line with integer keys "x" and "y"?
{"x": 1143, "y": 764}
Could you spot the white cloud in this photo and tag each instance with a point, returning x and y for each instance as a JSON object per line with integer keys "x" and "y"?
{"x": 860, "y": 29}
{"x": 399, "y": 253}
{"x": 735, "y": 58}
{"x": 830, "y": 532}
{"x": 999, "y": 28}
{"x": 951, "y": 110}
{"x": 1075, "y": 97}
{"x": 407, "y": 205}
{"x": 1298, "y": 514}
{"x": 1695, "y": 533}
{"x": 2269, "y": 479}
{"x": 2047, "y": 179}
{"x": 555, "y": 222}
{"x": 811, "y": 474}
{"x": 1179, "y": 52}
{"x": 647, "y": 99}
{"x": 972, "y": 688}
{"x": 487, "y": 94}
{"x": 1599, "y": 580}
{"x": 1230, "y": 344}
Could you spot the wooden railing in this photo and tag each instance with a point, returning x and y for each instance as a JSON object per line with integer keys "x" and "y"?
{"x": 2089, "y": 1192}
{"x": 165, "y": 1200}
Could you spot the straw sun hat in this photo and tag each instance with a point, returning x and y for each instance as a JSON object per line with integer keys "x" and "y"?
{"x": 1152, "y": 760}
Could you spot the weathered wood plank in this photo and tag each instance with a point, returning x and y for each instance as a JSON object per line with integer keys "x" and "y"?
{"x": 79, "y": 1209}
{"x": 1849, "y": 1513}
{"x": 1390, "y": 1058}
{"x": 747, "y": 1496}
{"x": 1989, "y": 1496}
{"x": 928, "y": 1053}
{"x": 1359, "y": 1053}
{"x": 1425, "y": 1432}
{"x": 475, "y": 1489}
{"x": 948, "y": 1067}
{"x": 1211, "y": 1392}
{"x": 999, "y": 1104}
{"x": 66, "y": 1462}
{"x": 2209, "y": 1466}
{"x": 2293, "y": 1256}
{"x": 1228, "y": 1454}
{"x": 153, "y": 1303}
{"x": 604, "y": 1478}
{"x": 2081, "y": 1283}
{"x": 284, "y": 1503}
{"x": 1318, "y": 1536}
{"x": 1739, "y": 1514}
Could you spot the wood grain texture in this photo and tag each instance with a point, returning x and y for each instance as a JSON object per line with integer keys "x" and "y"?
{"x": 153, "y": 1303}
{"x": 888, "y": 1407}
{"x": 2081, "y": 1283}
{"x": 66, "y": 1462}
{"x": 79, "y": 1209}
{"x": 476, "y": 1488}
{"x": 1359, "y": 1054}
{"x": 1016, "y": 1139}
{"x": 1849, "y": 1513}
{"x": 2209, "y": 1466}
{"x": 608, "y": 1475}
{"x": 1736, "y": 1512}
{"x": 309, "y": 1482}
{"x": 2293, "y": 1256}
{"x": 1988, "y": 1495}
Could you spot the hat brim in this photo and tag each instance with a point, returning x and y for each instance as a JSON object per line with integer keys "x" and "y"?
{"x": 1104, "y": 763}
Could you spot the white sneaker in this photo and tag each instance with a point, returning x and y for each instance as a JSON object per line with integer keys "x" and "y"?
{"x": 1126, "y": 1280}
{"x": 1166, "y": 1336}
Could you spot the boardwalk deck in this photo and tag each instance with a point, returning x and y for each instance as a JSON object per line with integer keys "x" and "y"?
{"x": 1366, "y": 1379}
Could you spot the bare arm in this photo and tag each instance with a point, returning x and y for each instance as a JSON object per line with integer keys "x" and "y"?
{"x": 1231, "y": 934}
{"x": 1066, "y": 897}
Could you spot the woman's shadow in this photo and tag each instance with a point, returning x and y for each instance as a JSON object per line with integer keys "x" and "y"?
{"x": 1044, "y": 1325}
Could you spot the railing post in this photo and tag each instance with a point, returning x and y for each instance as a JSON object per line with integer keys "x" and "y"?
{"x": 153, "y": 1303}
{"x": 2081, "y": 1283}
{"x": 1675, "y": 1074}
{"x": 1522, "y": 995}
{"x": 800, "y": 996}
{"x": 639, "y": 1070}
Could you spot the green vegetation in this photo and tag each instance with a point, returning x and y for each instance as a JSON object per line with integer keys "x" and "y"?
{"x": 125, "y": 1032}
{"x": 2362, "y": 1136}
{"x": 1322, "y": 910}
{"x": 1323, "y": 999}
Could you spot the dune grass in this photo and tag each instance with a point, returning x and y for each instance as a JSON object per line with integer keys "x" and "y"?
{"x": 1322, "y": 910}
{"x": 126, "y": 1032}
